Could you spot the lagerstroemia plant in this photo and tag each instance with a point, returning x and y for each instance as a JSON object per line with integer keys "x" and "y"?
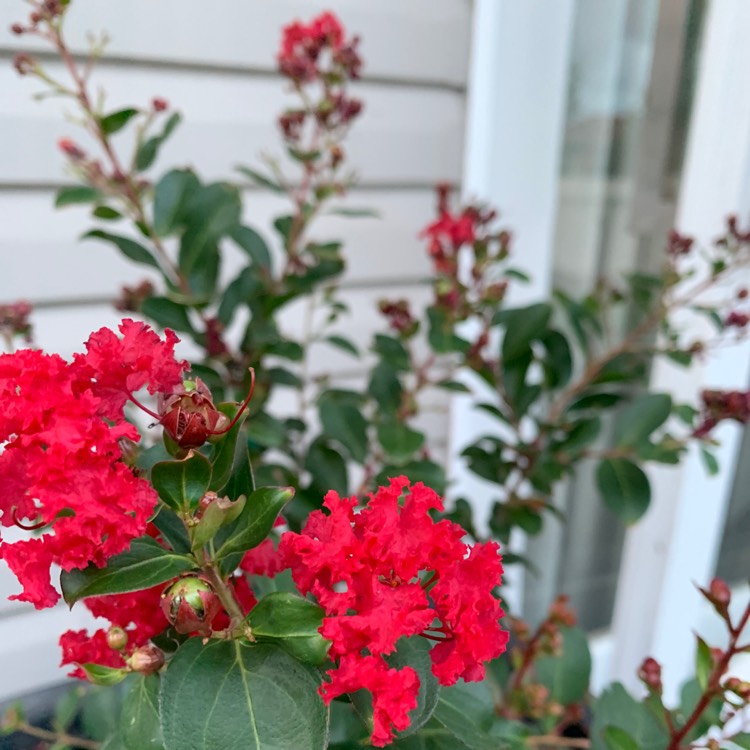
{"x": 272, "y": 580}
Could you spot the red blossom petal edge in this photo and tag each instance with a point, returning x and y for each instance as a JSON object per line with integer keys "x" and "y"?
{"x": 61, "y": 465}
{"x": 390, "y": 571}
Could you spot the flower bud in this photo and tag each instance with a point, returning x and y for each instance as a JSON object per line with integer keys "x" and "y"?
{"x": 71, "y": 149}
{"x": 159, "y": 104}
{"x": 24, "y": 63}
{"x": 190, "y": 605}
{"x": 650, "y": 674}
{"x": 17, "y": 28}
{"x": 147, "y": 659}
{"x": 117, "y": 638}
{"x": 189, "y": 416}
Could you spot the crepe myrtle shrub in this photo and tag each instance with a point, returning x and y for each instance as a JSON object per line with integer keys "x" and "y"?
{"x": 294, "y": 580}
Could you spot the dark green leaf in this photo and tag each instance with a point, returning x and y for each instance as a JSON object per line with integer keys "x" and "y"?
{"x": 567, "y": 676}
{"x": 710, "y": 462}
{"x": 171, "y": 196}
{"x": 129, "y": 248}
{"x": 522, "y": 326}
{"x": 385, "y": 387}
{"x": 181, "y": 484}
{"x": 424, "y": 470}
{"x": 261, "y": 179}
{"x": 265, "y": 431}
{"x": 241, "y": 697}
{"x": 172, "y": 529}
{"x": 139, "y": 724}
{"x": 327, "y": 468}
{"x": 115, "y": 121}
{"x": 148, "y": 152}
{"x": 343, "y": 343}
{"x": 619, "y": 739}
{"x": 144, "y": 565}
{"x": 398, "y": 440}
{"x": 256, "y": 520}
{"x": 66, "y": 710}
{"x": 640, "y": 418}
{"x": 453, "y": 385}
{"x": 344, "y": 423}
{"x": 392, "y": 351}
{"x": 75, "y": 194}
{"x": 106, "y": 213}
{"x": 253, "y": 244}
{"x": 558, "y": 362}
{"x": 624, "y": 488}
{"x": 616, "y": 708}
{"x": 100, "y": 716}
{"x": 441, "y": 333}
{"x": 167, "y": 314}
{"x": 580, "y": 435}
{"x": 596, "y": 401}
{"x": 228, "y": 452}
{"x": 292, "y": 623}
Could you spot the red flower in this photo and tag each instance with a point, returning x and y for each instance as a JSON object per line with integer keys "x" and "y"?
{"x": 372, "y": 571}
{"x": 60, "y": 465}
{"x": 78, "y": 647}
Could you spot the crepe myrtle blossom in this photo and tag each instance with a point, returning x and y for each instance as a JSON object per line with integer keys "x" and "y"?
{"x": 390, "y": 571}
{"x": 61, "y": 467}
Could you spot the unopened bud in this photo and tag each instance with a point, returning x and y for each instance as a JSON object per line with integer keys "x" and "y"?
{"x": 24, "y": 63}
{"x": 147, "y": 659}
{"x": 117, "y": 638}
{"x": 191, "y": 605}
{"x": 650, "y": 674}
{"x": 189, "y": 416}
{"x": 17, "y": 28}
{"x": 71, "y": 149}
{"x": 159, "y": 104}
{"x": 561, "y": 612}
{"x": 720, "y": 592}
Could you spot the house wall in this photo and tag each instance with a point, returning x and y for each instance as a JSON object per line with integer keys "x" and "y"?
{"x": 215, "y": 63}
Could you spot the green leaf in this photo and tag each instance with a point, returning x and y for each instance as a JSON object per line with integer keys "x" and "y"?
{"x": 392, "y": 351}
{"x": 596, "y": 401}
{"x": 181, "y": 484}
{"x": 100, "y": 715}
{"x": 129, "y": 248}
{"x": 218, "y": 513}
{"x": 558, "y": 362}
{"x": 424, "y": 470}
{"x": 342, "y": 343}
{"x": 704, "y": 663}
{"x": 106, "y": 213}
{"x": 66, "y": 710}
{"x": 104, "y": 676}
{"x": 385, "y": 387}
{"x": 261, "y": 179}
{"x": 441, "y": 333}
{"x": 567, "y": 676}
{"x": 171, "y": 196}
{"x": 293, "y": 623}
{"x": 327, "y": 468}
{"x": 144, "y": 565}
{"x": 624, "y": 488}
{"x": 710, "y": 462}
{"x": 640, "y": 418}
{"x": 616, "y": 708}
{"x": 453, "y": 385}
{"x": 253, "y": 244}
{"x": 228, "y": 452}
{"x": 522, "y": 326}
{"x": 148, "y": 152}
{"x": 115, "y": 121}
{"x": 172, "y": 529}
{"x": 619, "y": 739}
{"x": 167, "y": 314}
{"x": 343, "y": 422}
{"x": 256, "y": 520}
{"x": 75, "y": 194}
{"x": 241, "y": 697}
{"x": 398, "y": 440}
{"x": 139, "y": 724}
{"x": 580, "y": 435}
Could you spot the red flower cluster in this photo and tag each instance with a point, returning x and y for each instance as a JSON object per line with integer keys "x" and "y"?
{"x": 721, "y": 405}
{"x": 302, "y": 46}
{"x": 390, "y": 572}
{"x": 60, "y": 466}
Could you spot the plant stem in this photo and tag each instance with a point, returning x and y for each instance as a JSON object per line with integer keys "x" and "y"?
{"x": 57, "y": 737}
{"x": 551, "y": 740}
{"x": 227, "y": 599}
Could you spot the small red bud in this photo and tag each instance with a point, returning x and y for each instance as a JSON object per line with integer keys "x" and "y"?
{"x": 71, "y": 149}
{"x": 17, "y": 28}
{"x": 147, "y": 659}
{"x": 159, "y": 104}
{"x": 117, "y": 638}
{"x": 190, "y": 605}
{"x": 650, "y": 674}
{"x": 720, "y": 592}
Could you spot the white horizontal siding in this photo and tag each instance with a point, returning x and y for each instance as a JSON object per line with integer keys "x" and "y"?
{"x": 405, "y": 135}
{"x": 246, "y": 34}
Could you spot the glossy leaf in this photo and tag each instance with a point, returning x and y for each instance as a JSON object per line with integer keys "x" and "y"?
{"x": 148, "y": 152}
{"x": 171, "y": 195}
{"x": 343, "y": 421}
{"x": 567, "y": 676}
{"x": 327, "y": 467}
{"x": 624, "y": 488}
{"x": 167, "y": 314}
{"x": 104, "y": 676}
{"x": 181, "y": 484}
{"x": 253, "y": 244}
{"x": 292, "y": 623}
{"x": 344, "y": 344}
{"x": 131, "y": 249}
{"x": 115, "y": 121}
{"x": 140, "y": 728}
{"x": 399, "y": 440}
{"x": 228, "y": 452}
{"x": 144, "y": 565}
{"x": 392, "y": 351}
{"x": 619, "y": 739}
{"x": 522, "y": 326}
{"x": 75, "y": 195}
{"x": 241, "y": 697}
{"x": 640, "y": 418}
{"x": 256, "y": 520}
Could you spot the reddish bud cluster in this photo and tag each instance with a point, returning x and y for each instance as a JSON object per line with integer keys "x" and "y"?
{"x": 736, "y": 319}
{"x": 721, "y": 405}
{"x": 650, "y": 674}
{"x": 131, "y": 299}
{"x": 24, "y": 63}
{"x": 398, "y": 314}
{"x": 44, "y": 10}
{"x": 188, "y": 415}
{"x": 678, "y": 244}
{"x": 14, "y": 319}
{"x": 390, "y": 572}
{"x": 304, "y": 45}
{"x": 159, "y": 104}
